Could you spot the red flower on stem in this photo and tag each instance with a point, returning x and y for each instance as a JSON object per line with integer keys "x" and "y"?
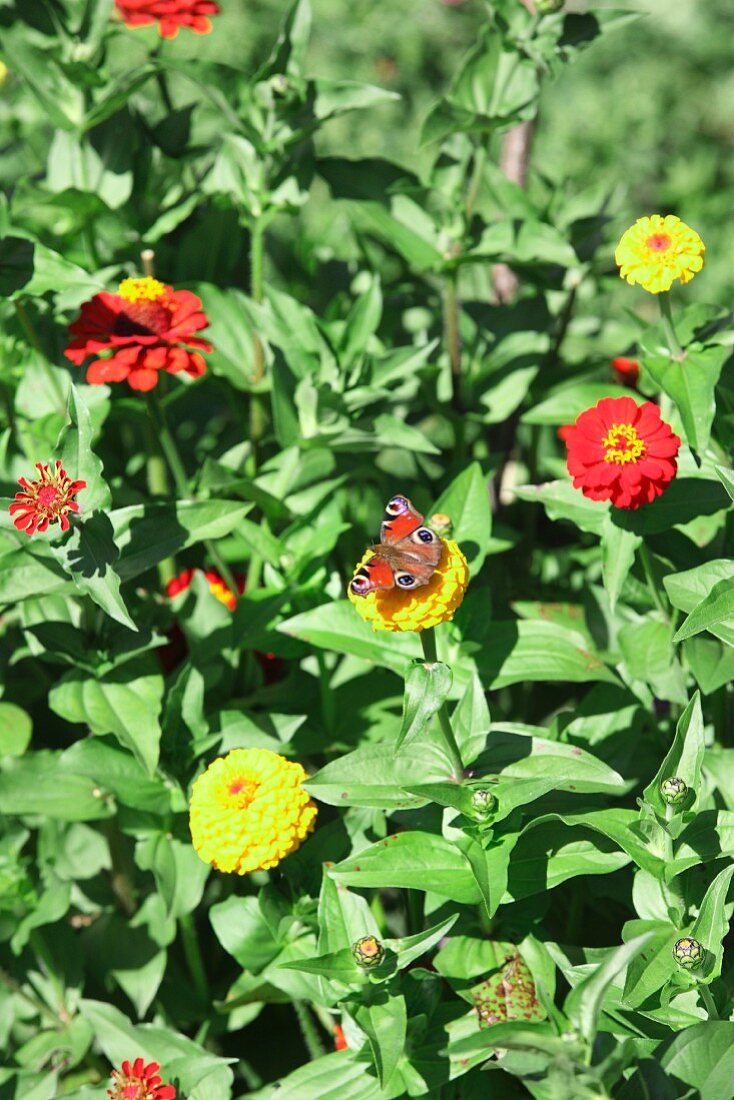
{"x": 46, "y": 500}
{"x": 145, "y": 328}
{"x": 622, "y": 451}
{"x": 169, "y": 14}
{"x": 139, "y": 1082}
{"x": 626, "y": 370}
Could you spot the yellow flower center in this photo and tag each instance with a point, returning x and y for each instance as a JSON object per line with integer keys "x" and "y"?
{"x": 622, "y": 444}
{"x": 240, "y": 792}
{"x": 658, "y": 242}
{"x": 141, "y": 290}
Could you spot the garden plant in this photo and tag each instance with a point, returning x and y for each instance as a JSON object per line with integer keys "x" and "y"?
{"x": 367, "y": 557}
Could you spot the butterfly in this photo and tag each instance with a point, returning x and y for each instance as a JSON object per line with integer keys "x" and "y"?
{"x": 406, "y": 555}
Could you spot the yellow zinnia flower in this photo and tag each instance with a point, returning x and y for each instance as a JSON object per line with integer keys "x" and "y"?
{"x": 426, "y": 606}
{"x": 249, "y": 811}
{"x": 657, "y": 250}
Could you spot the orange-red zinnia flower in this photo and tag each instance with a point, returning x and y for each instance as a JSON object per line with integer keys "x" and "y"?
{"x": 626, "y": 370}
{"x": 145, "y": 328}
{"x": 340, "y": 1040}
{"x": 217, "y": 586}
{"x": 622, "y": 451}
{"x": 169, "y": 14}
{"x": 139, "y": 1082}
{"x": 46, "y": 500}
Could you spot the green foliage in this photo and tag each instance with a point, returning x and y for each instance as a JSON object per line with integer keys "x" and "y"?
{"x": 331, "y": 183}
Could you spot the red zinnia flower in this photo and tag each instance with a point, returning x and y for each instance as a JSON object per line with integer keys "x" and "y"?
{"x": 340, "y": 1042}
{"x": 564, "y": 431}
{"x": 139, "y": 331}
{"x": 45, "y": 500}
{"x": 139, "y": 1082}
{"x": 217, "y": 586}
{"x": 622, "y": 451}
{"x": 626, "y": 370}
{"x": 169, "y": 14}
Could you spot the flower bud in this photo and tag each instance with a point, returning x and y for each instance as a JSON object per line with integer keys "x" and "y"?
{"x": 441, "y": 524}
{"x": 673, "y": 790}
{"x": 483, "y": 802}
{"x": 547, "y": 7}
{"x": 688, "y": 953}
{"x": 368, "y": 952}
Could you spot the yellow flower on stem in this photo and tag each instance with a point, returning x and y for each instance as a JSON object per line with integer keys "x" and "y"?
{"x": 656, "y": 251}
{"x": 249, "y": 811}
{"x": 423, "y": 607}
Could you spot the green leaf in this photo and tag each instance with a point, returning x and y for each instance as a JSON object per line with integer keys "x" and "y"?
{"x": 688, "y": 589}
{"x": 338, "y": 1076}
{"x": 59, "y": 98}
{"x": 712, "y": 924}
{"x": 148, "y": 533}
{"x": 244, "y": 933}
{"x": 426, "y": 689}
{"x": 377, "y": 775}
{"x": 466, "y": 503}
{"x": 16, "y": 728}
{"x": 337, "y": 626}
{"x": 516, "y": 652}
{"x": 650, "y": 970}
{"x": 471, "y": 720}
{"x": 385, "y": 1024}
{"x": 564, "y": 404}
{"x": 78, "y": 458}
{"x": 715, "y": 610}
{"x": 415, "y": 860}
{"x": 726, "y": 477}
{"x": 584, "y": 1003}
{"x": 562, "y": 501}
{"x": 683, "y": 759}
{"x": 37, "y": 784}
{"x": 702, "y": 1056}
{"x": 125, "y": 701}
{"x": 89, "y": 557}
{"x": 691, "y": 385}
{"x": 617, "y": 557}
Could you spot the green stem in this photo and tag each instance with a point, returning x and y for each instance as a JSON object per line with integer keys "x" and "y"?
{"x": 161, "y": 81}
{"x": 257, "y": 409}
{"x": 666, "y": 316}
{"x": 415, "y": 917}
{"x": 327, "y": 696}
{"x": 708, "y": 1001}
{"x": 194, "y": 959}
{"x": 88, "y": 228}
{"x": 314, "y": 1046}
{"x": 647, "y": 567}
{"x": 122, "y": 869}
{"x": 472, "y": 194}
{"x": 48, "y": 967}
{"x": 452, "y": 337}
{"x": 180, "y": 480}
{"x": 428, "y": 641}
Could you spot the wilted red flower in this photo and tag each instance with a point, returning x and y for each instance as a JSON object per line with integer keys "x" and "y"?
{"x": 622, "y": 451}
{"x": 340, "y": 1042}
{"x": 169, "y": 14}
{"x": 626, "y": 370}
{"x": 217, "y": 586}
{"x": 139, "y": 1082}
{"x": 139, "y": 331}
{"x": 45, "y": 500}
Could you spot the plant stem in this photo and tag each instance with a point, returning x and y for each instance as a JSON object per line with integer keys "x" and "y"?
{"x": 194, "y": 959}
{"x": 327, "y": 697}
{"x": 452, "y": 336}
{"x": 314, "y": 1046}
{"x": 708, "y": 1001}
{"x": 647, "y": 567}
{"x": 666, "y": 316}
{"x": 180, "y": 480}
{"x": 472, "y": 194}
{"x": 428, "y": 641}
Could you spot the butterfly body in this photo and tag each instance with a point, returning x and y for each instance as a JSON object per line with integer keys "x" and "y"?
{"x": 406, "y": 556}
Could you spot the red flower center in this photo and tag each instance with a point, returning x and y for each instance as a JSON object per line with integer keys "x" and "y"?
{"x": 47, "y": 496}
{"x": 622, "y": 444}
{"x": 658, "y": 242}
{"x": 242, "y": 791}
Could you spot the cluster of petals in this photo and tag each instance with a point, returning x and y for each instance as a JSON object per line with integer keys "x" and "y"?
{"x": 627, "y": 371}
{"x": 248, "y": 811}
{"x": 139, "y": 1082}
{"x": 422, "y": 608}
{"x": 145, "y": 328}
{"x": 47, "y": 499}
{"x": 656, "y": 251}
{"x": 170, "y": 15}
{"x": 622, "y": 452}
{"x": 217, "y": 586}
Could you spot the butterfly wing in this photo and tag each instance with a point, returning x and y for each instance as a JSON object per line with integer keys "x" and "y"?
{"x": 407, "y": 555}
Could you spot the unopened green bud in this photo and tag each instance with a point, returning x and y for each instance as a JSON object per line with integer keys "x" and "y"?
{"x": 368, "y": 952}
{"x": 547, "y": 7}
{"x": 688, "y": 953}
{"x": 441, "y": 524}
{"x": 483, "y": 802}
{"x": 673, "y": 790}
